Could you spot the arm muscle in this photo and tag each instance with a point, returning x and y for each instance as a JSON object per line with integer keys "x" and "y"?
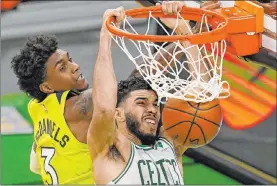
{"x": 101, "y": 131}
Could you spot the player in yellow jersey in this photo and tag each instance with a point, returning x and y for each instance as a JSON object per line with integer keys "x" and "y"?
{"x": 61, "y": 111}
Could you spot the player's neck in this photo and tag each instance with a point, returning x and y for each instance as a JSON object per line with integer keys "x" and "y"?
{"x": 131, "y": 137}
{"x": 134, "y": 139}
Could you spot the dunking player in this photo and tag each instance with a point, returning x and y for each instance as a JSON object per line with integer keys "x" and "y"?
{"x": 122, "y": 137}
{"x": 61, "y": 110}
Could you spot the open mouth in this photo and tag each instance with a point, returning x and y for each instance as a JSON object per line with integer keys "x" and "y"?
{"x": 80, "y": 77}
{"x": 150, "y": 121}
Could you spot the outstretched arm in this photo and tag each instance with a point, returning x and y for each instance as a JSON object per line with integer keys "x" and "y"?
{"x": 101, "y": 133}
{"x": 165, "y": 55}
{"x": 171, "y": 7}
{"x": 193, "y": 51}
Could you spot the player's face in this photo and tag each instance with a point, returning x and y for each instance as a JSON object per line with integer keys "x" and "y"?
{"x": 63, "y": 73}
{"x": 143, "y": 115}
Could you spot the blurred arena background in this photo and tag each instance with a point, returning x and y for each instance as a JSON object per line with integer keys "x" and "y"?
{"x": 234, "y": 157}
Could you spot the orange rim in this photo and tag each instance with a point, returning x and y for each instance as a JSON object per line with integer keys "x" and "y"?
{"x": 187, "y": 13}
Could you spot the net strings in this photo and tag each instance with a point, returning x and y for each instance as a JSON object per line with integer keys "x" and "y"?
{"x": 166, "y": 79}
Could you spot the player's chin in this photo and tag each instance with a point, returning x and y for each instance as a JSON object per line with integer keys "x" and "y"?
{"x": 82, "y": 85}
{"x": 152, "y": 130}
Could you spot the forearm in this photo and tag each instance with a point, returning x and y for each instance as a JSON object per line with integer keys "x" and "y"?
{"x": 196, "y": 63}
{"x": 163, "y": 57}
{"x": 104, "y": 80}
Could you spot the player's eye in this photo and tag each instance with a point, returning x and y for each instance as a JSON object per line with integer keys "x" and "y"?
{"x": 70, "y": 59}
{"x": 62, "y": 68}
{"x": 140, "y": 102}
{"x": 156, "y": 104}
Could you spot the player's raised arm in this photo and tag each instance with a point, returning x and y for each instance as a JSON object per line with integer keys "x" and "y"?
{"x": 192, "y": 55}
{"x": 193, "y": 50}
{"x": 165, "y": 55}
{"x": 101, "y": 132}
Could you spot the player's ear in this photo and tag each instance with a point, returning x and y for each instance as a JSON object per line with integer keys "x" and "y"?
{"x": 119, "y": 114}
{"x": 46, "y": 88}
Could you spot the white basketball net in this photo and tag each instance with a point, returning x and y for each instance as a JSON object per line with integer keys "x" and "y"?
{"x": 166, "y": 79}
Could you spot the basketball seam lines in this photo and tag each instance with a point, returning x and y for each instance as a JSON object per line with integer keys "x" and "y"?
{"x": 201, "y": 132}
{"x": 193, "y": 115}
{"x": 203, "y": 109}
{"x": 177, "y": 124}
{"x": 191, "y": 123}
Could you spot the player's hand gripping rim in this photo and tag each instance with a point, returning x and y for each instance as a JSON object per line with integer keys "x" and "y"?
{"x": 174, "y": 8}
{"x": 118, "y": 13}
{"x": 208, "y": 5}
{"x": 171, "y": 7}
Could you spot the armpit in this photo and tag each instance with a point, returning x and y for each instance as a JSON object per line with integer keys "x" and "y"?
{"x": 114, "y": 154}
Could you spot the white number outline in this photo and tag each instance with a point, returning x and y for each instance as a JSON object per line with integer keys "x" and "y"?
{"x": 48, "y": 153}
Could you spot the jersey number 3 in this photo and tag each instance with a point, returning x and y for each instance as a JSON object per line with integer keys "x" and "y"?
{"x": 47, "y": 153}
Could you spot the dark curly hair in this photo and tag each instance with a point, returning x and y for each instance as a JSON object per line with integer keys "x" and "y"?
{"x": 129, "y": 85}
{"x": 30, "y": 64}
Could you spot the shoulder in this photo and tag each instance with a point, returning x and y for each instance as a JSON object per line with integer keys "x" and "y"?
{"x": 84, "y": 102}
{"x": 78, "y": 105}
{"x": 31, "y": 104}
{"x": 164, "y": 136}
{"x": 173, "y": 142}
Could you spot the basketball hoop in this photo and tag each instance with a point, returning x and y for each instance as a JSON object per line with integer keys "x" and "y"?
{"x": 165, "y": 79}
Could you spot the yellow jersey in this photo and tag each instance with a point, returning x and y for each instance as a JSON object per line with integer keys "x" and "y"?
{"x": 63, "y": 159}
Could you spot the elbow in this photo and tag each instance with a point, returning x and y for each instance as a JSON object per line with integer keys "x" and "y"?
{"x": 104, "y": 110}
{"x": 104, "y": 103}
{"x": 35, "y": 170}
{"x": 104, "y": 107}
{"x": 34, "y": 164}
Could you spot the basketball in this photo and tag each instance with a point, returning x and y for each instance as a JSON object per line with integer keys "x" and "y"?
{"x": 193, "y": 124}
